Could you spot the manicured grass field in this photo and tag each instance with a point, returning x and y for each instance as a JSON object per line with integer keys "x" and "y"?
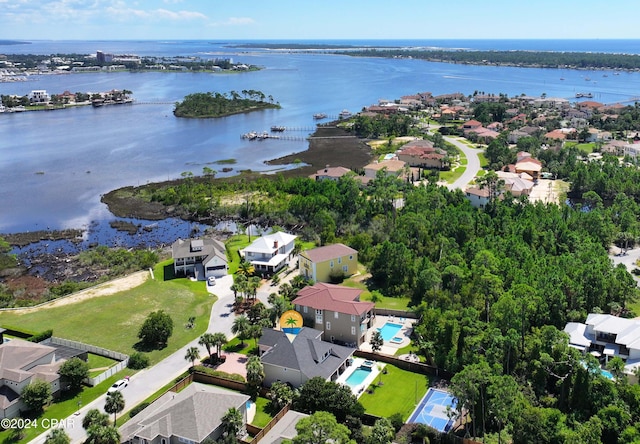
{"x": 99, "y": 363}
{"x": 400, "y": 393}
{"x": 386, "y": 302}
{"x": 65, "y": 407}
{"x": 113, "y": 321}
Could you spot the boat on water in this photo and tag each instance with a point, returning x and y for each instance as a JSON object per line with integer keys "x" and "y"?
{"x": 277, "y": 129}
{"x": 320, "y": 116}
{"x": 584, "y": 95}
{"x": 344, "y": 114}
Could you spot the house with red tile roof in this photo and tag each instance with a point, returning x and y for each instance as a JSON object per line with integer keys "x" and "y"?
{"x": 393, "y": 167}
{"x": 471, "y": 124}
{"x": 337, "y": 311}
{"x": 328, "y": 263}
{"x": 422, "y": 153}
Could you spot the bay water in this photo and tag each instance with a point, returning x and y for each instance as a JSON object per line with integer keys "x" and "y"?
{"x": 54, "y": 166}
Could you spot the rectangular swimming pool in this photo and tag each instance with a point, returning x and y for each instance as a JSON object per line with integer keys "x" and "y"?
{"x": 357, "y": 377}
{"x": 389, "y": 330}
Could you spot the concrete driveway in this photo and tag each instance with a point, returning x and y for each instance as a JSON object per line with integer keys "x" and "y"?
{"x": 146, "y": 382}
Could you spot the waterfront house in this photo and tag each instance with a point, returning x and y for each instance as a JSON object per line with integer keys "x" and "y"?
{"x": 270, "y": 253}
{"x": 294, "y": 359}
{"x": 202, "y": 258}
{"x": 328, "y": 263}
{"x": 337, "y": 311}
{"x": 38, "y": 96}
{"x": 191, "y": 416}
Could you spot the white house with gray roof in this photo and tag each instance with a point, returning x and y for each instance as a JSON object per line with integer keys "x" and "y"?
{"x": 188, "y": 417}
{"x": 608, "y": 336}
{"x": 297, "y": 358}
{"x": 270, "y": 253}
{"x": 201, "y": 258}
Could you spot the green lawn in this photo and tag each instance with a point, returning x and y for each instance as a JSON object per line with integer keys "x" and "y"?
{"x": 233, "y": 346}
{"x": 113, "y": 321}
{"x": 98, "y": 364}
{"x": 262, "y": 418}
{"x": 400, "y": 393}
{"x": 65, "y": 407}
{"x": 586, "y": 148}
{"x": 386, "y": 302}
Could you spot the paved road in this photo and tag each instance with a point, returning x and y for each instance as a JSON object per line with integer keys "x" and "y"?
{"x": 472, "y": 167}
{"x": 144, "y": 383}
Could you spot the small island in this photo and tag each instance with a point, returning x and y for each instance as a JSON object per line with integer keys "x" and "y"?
{"x": 208, "y": 105}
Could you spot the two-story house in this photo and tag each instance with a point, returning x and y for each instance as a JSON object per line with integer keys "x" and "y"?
{"x": 270, "y": 253}
{"x": 324, "y": 264}
{"x": 608, "y": 336}
{"x": 201, "y": 258}
{"x": 422, "y": 153}
{"x": 336, "y": 311}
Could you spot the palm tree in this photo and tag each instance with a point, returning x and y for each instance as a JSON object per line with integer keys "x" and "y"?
{"x": 114, "y": 404}
{"x": 232, "y": 422}
{"x": 246, "y": 268}
{"x": 192, "y": 355}
{"x": 100, "y": 434}
{"x": 240, "y": 327}
{"x": 255, "y": 374}
{"x": 57, "y": 436}
{"x": 219, "y": 339}
{"x": 207, "y": 341}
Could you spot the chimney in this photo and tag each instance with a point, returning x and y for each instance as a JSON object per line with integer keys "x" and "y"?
{"x": 275, "y": 244}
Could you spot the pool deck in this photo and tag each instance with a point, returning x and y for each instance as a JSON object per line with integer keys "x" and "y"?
{"x": 390, "y": 348}
{"x": 360, "y": 388}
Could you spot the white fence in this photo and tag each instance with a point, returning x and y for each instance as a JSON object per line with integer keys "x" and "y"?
{"x": 124, "y": 359}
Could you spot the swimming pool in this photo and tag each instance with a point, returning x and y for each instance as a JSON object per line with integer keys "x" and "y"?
{"x": 358, "y": 376}
{"x": 389, "y": 330}
{"x": 606, "y": 373}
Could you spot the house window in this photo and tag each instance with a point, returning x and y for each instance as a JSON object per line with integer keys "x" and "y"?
{"x": 328, "y": 325}
{"x": 331, "y": 264}
{"x": 351, "y": 257}
{"x": 353, "y": 318}
{"x": 305, "y": 309}
{"x": 339, "y": 260}
{"x": 318, "y": 316}
{"x": 336, "y": 314}
{"x": 353, "y": 331}
{"x": 345, "y": 268}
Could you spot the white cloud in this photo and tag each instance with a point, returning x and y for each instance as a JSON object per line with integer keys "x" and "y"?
{"x": 235, "y": 21}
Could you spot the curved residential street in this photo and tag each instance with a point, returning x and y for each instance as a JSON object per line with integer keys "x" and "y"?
{"x": 146, "y": 382}
{"x": 472, "y": 167}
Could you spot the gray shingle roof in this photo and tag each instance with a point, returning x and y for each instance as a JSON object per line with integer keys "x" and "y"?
{"x": 194, "y": 414}
{"x": 307, "y": 353}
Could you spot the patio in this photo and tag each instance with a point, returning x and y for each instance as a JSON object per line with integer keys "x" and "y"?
{"x": 390, "y": 347}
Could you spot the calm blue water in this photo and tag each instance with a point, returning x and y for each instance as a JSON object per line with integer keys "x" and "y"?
{"x": 390, "y": 330}
{"x": 86, "y": 152}
{"x": 357, "y": 377}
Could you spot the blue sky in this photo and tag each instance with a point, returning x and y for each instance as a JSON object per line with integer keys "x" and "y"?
{"x": 317, "y": 19}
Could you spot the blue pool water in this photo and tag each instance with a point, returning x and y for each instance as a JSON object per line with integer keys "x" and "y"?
{"x": 389, "y": 330}
{"x": 358, "y": 376}
{"x": 606, "y": 373}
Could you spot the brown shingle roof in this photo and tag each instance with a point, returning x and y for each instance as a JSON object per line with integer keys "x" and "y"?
{"x": 328, "y": 252}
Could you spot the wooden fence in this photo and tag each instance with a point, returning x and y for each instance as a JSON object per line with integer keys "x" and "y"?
{"x": 259, "y": 433}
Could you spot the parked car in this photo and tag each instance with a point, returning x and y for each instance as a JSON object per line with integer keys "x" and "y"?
{"x": 211, "y": 280}
{"x": 118, "y": 385}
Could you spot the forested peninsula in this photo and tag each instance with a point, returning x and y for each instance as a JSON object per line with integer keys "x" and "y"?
{"x": 210, "y": 104}
{"x": 537, "y": 59}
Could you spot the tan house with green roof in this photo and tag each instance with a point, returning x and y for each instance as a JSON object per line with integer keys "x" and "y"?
{"x": 320, "y": 264}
